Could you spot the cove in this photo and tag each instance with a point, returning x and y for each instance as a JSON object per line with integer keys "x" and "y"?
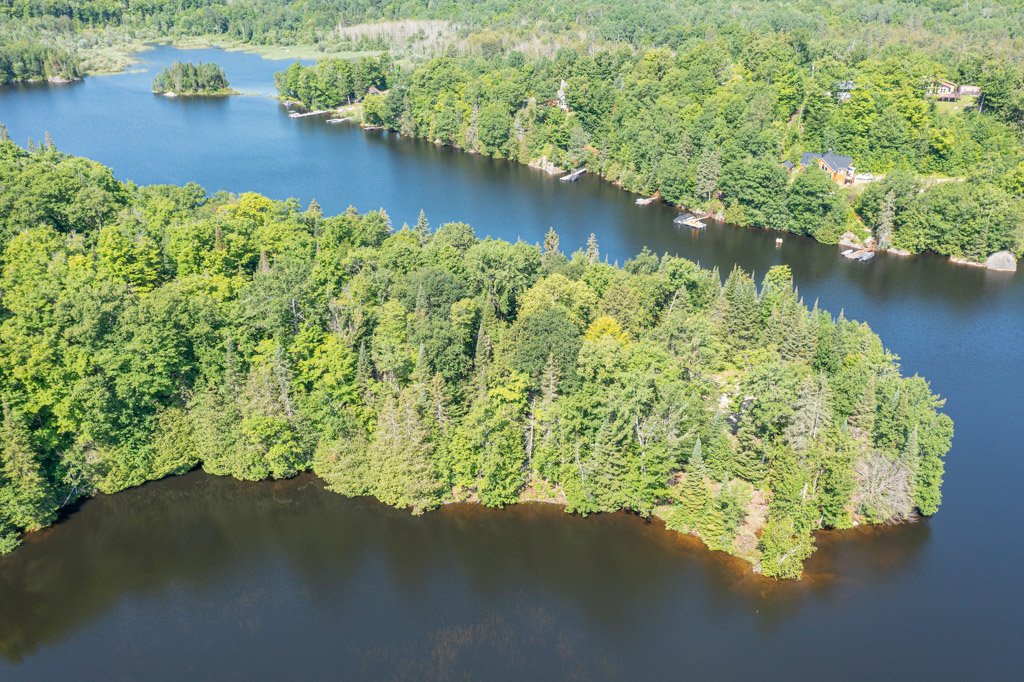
{"x": 245, "y": 578}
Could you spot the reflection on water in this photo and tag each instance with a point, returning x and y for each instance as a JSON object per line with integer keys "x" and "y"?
{"x": 202, "y": 575}
{"x": 201, "y": 557}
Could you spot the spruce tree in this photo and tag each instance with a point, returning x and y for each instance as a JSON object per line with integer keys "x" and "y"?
{"x": 593, "y": 252}
{"x": 712, "y": 525}
{"x": 26, "y": 500}
{"x": 812, "y": 415}
{"x": 741, "y": 310}
{"x": 399, "y": 457}
{"x": 422, "y": 228}
{"x": 695, "y": 491}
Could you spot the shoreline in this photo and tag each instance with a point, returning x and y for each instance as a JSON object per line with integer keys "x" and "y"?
{"x": 750, "y": 570}
{"x": 546, "y": 167}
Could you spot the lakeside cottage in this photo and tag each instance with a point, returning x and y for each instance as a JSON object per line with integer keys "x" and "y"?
{"x": 840, "y": 168}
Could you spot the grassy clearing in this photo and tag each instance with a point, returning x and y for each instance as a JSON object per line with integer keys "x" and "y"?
{"x": 964, "y": 104}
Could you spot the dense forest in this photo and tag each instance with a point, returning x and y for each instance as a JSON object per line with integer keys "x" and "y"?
{"x": 26, "y": 61}
{"x": 146, "y": 331}
{"x": 186, "y": 78}
{"x": 699, "y": 102}
{"x": 710, "y": 128}
{"x": 333, "y": 82}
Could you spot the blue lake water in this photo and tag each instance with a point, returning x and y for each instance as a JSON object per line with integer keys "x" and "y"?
{"x": 200, "y": 574}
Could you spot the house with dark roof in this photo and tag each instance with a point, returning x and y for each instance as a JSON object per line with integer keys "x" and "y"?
{"x": 840, "y": 168}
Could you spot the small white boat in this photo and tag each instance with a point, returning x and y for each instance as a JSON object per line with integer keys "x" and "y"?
{"x": 645, "y": 201}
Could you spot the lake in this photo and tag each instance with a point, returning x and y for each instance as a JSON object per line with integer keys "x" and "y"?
{"x": 212, "y": 577}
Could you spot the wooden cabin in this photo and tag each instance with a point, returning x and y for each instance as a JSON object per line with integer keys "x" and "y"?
{"x": 840, "y": 168}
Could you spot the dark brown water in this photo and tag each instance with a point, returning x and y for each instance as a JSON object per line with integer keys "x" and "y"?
{"x": 211, "y": 576}
{"x": 208, "y": 577}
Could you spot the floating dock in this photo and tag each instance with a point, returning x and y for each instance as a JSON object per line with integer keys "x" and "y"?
{"x": 689, "y": 220}
{"x": 574, "y": 176}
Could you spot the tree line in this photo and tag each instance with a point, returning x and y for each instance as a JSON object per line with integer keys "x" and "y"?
{"x": 186, "y": 78}
{"x": 24, "y": 61}
{"x": 146, "y": 331}
{"x": 333, "y": 82}
{"x": 710, "y": 127}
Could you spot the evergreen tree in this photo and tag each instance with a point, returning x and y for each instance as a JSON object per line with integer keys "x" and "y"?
{"x": 399, "y": 456}
{"x": 26, "y": 500}
{"x": 742, "y": 316}
{"x": 593, "y": 251}
{"x": 422, "y": 228}
{"x": 695, "y": 491}
{"x": 784, "y": 548}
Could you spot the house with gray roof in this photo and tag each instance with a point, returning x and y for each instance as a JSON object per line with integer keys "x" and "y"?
{"x": 840, "y": 168}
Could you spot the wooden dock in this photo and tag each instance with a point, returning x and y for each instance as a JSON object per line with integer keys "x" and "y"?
{"x": 574, "y": 176}
{"x": 689, "y": 220}
{"x": 318, "y": 112}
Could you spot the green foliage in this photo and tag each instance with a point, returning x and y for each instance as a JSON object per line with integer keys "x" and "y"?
{"x": 257, "y": 340}
{"x": 784, "y": 548}
{"x": 186, "y": 78}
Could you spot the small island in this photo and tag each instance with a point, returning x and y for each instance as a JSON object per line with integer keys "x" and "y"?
{"x": 188, "y": 79}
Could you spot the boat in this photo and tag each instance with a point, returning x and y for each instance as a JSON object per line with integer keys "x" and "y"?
{"x": 645, "y": 201}
{"x": 339, "y": 120}
{"x": 574, "y": 176}
{"x": 689, "y": 220}
{"x": 859, "y": 254}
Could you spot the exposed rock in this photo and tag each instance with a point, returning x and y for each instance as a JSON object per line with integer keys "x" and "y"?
{"x": 850, "y": 239}
{"x": 548, "y": 167}
{"x": 966, "y": 261}
{"x": 1003, "y": 261}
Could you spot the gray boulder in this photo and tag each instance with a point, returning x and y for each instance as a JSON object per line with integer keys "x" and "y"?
{"x": 1003, "y": 261}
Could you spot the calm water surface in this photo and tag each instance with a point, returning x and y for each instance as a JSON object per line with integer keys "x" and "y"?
{"x": 209, "y": 576}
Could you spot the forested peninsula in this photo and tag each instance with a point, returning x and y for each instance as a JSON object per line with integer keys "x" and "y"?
{"x": 147, "y": 331}
{"x": 186, "y": 78}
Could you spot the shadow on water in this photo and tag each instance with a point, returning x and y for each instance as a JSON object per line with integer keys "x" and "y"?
{"x": 234, "y": 553}
{"x": 286, "y": 577}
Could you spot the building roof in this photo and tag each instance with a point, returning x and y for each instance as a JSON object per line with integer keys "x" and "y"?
{"x": 832, "y": 160}
{"x": 788, "y": 165}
